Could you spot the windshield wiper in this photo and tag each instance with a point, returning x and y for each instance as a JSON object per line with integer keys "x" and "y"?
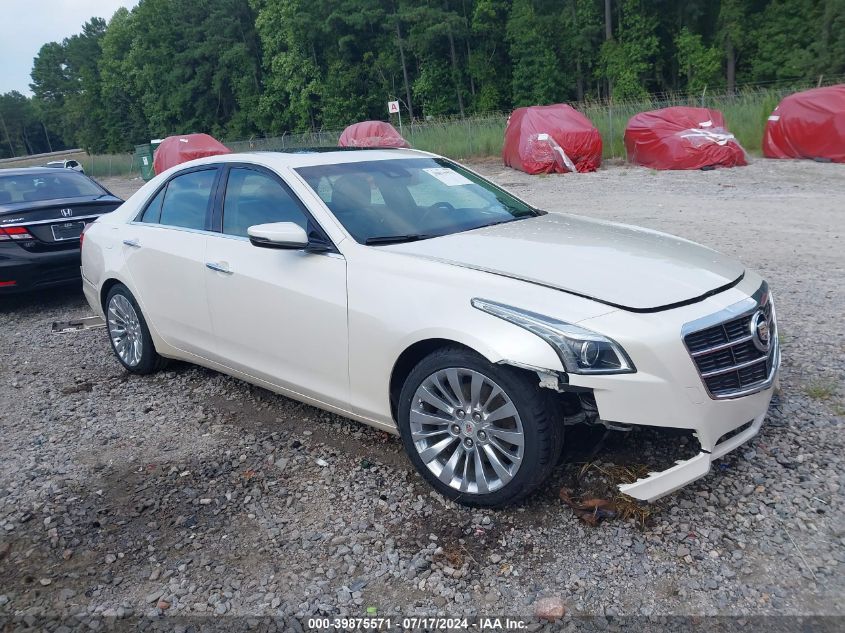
{"x": 498, "y": 222}
{"x": 395, "y": 239}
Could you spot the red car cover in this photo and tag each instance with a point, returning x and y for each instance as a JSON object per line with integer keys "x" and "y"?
{"x": 809, "y": 124}
{"x": 682, "y": 138}
{"x": 371, "y": 134}
{"x": 175, "y": 150}
{"x": 548, "y": 139}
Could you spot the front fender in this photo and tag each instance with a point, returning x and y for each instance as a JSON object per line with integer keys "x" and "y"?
{"x": 497, "y": 340}
{"x": 396, "y": 301}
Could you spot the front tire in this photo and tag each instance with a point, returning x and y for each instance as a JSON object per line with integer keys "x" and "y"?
{"x": 482, "y": 435}
{"x": 128, "y": 332}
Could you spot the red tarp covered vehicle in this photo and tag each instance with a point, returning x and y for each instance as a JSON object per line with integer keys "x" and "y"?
{"x": 175, "y": 150}
{"x": 371, "y": 134}
{"x": 809, "y": 124}
{"x": 682, "y": 138}
{"x": 553, "y": 138}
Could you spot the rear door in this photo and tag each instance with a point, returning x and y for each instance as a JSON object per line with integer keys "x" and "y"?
{"x": 278, "y": 315}
{"x": 164, "y": 250}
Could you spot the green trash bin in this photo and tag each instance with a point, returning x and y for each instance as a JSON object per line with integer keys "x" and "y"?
{"x": 144, "y": 158}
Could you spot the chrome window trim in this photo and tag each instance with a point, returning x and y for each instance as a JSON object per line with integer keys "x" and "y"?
{"x": 240, "y": 238}
{"x": 183, "y": 172}
{"x": 745, "y": 307}
{"x": 183, "y": 229}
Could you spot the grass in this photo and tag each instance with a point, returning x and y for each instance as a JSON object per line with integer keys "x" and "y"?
{"x": 35, "y": 162}
{"x": 745, "y": 116}
{"x": 625, "y": 506}
{"x": 108, "y": 165}
{"x": 481, "y": 136}
{"x": 820, "y": 390}
{"x": 96, "y": 165}
{"x": 474, "y": 137}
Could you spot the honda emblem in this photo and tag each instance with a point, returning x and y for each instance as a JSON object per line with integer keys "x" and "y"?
{"x": 66, "y": 213}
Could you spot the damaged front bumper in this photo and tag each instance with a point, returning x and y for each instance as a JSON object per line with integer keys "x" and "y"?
{"x": 720, "y": 427}
{"x": 668, "y": 391}
{"x": 733, "y": 434}
{"x": 659, "y": 484}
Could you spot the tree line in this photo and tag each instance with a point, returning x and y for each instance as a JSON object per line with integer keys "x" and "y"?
{"x": 236, "y": 68}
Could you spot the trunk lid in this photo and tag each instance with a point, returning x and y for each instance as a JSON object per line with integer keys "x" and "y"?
{"x": 55, "y": 224}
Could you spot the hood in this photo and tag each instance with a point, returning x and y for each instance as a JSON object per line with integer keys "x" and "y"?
{"x": 623, "y": 266}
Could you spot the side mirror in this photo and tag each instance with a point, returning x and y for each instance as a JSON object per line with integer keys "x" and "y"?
{"x": 284, "y": 235}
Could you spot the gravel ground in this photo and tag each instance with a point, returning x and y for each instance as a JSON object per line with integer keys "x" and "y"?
{"x": 191, "y": 493}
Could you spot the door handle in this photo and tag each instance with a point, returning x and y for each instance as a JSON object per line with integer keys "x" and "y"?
{"x": 220, "y": 268}
{"x": 132, "y": 243}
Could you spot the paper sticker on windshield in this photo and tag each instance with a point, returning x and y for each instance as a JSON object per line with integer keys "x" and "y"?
{"x": 447, "y": 176}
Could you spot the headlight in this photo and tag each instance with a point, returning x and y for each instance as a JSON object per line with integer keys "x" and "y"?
{"x": 580, "y": 350}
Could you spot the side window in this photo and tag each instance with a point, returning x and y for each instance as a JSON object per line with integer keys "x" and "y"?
{"x": 186, "y": 200}
{"x": 153, "y": 211}
{"x": 253, "y": 197}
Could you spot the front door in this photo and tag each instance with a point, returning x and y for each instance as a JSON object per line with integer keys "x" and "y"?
{"x": 278, "y": 315}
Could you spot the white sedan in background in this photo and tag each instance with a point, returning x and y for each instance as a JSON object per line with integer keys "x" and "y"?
{"x": 402, "y": 290}
{"x": 75, "y": 165}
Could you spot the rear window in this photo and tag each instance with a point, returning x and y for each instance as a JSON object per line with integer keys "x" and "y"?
{"x": 40, "y": 186}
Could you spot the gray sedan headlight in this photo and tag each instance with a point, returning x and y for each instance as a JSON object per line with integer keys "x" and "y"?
{"x": 580, "y": 350}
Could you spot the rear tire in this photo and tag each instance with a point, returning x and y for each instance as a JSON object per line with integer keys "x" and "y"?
{"x": 482, "y": 435}
{"x": 128, "y": 333}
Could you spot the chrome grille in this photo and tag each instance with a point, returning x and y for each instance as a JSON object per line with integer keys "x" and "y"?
{"x": 724, "y": 350}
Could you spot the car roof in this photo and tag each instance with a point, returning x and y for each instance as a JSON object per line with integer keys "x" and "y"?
{"x": 307, "y": 157}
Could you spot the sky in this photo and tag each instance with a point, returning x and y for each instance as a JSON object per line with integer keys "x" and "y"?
{"x": 29, "y": 24}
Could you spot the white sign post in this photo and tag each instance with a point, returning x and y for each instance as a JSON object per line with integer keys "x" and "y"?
{"x": 393, "y": 108}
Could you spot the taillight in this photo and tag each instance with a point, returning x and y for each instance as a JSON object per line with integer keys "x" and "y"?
{"x": 14, "y": 233}
{"x": 82, "y": 235}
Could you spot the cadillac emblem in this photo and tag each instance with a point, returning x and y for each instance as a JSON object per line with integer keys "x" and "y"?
{"x": 761, "y": 332}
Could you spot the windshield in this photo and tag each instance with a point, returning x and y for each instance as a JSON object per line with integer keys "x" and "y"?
{"x": 40, "y": 186}
{"x": 389, "y": 201}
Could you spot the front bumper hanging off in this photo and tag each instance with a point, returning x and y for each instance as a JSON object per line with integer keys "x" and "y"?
{"x": 669, "y": 390}
{"x": 661, "y": 483}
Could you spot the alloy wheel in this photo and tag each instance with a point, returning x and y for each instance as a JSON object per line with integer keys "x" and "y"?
{"x": 467, "y": 430}
{"x": 125, "y": 330}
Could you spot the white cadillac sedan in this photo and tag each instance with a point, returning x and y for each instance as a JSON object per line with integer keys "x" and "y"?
{"x": 402, "y": 290}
